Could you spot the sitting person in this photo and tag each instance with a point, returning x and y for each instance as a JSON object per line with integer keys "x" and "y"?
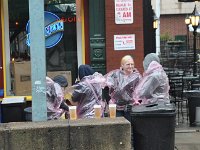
{"x": 88, "y": 92}
{"x": 56, "y": 105}
{"x": 154, "y": 85}
{"x": 121, "y": 83}
{"x": 84, "y": 70}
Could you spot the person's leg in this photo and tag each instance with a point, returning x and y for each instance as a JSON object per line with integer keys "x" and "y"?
{"x": 119, "y": 113}
{"x": 127, "y": 116}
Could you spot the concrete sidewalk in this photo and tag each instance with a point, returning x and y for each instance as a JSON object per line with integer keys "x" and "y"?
{"x": 187, "y": 138}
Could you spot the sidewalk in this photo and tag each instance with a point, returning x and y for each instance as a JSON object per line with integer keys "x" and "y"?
{"x": 186, "y": 137}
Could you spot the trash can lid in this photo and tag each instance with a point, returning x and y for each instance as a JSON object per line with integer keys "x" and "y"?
{"x": 14, "y": 100}
{"x": 153, "y": 108}
{"x": 29, "y": 110}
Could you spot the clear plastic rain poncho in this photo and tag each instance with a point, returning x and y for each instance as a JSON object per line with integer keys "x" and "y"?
{"x": 87, "y": 93}
{"x": 121, "y": 86}
{"x": 55, "y": 97}
{"x": 154, "y": 85}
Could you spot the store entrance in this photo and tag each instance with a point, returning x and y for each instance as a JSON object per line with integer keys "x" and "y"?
{"x": 60, "y": 58}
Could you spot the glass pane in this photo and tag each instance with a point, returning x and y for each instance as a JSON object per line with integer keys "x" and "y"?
{"x": 60, "y": 58}
{"x": 63, "y": 56}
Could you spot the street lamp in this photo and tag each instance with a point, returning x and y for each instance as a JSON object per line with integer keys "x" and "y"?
{"x": 187, "y": 22}
{"x": 155, "y": 21}
{"x": 195, "y": 23}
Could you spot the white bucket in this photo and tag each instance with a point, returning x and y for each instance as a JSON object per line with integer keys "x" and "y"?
{"x": 197, "y": 118}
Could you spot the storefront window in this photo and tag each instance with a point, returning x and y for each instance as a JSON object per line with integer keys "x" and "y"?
{"x": 60, "y": 59}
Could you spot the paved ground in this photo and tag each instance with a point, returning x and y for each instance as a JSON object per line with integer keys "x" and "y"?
{"x": 186, "y": 137}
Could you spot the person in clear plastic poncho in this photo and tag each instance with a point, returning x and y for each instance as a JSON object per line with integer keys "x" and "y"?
{"x": 88, "y": 92}
{"x": 154, "y": 85}
{"x": 56, "y": 106}
{"x": 121, "y": 83}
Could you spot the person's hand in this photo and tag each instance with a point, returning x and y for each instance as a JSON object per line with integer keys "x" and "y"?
{"x": 128, "y": 108}
{"x": 64, "y": 106}
{"x": 136, "y": 103}
{"x": 68, "y": 102}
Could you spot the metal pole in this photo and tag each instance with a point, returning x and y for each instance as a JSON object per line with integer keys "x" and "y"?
{"x": 195, "y": 53}
{"x": 188, "y": 45}
{"x": 155, "y": 41}
{"x": 38, "y": 60}
{"x": 158, "y": 29}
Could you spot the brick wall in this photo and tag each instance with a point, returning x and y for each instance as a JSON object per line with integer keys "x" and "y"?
{"x": 113, "y": 57}
{"x": 173, "y": 25}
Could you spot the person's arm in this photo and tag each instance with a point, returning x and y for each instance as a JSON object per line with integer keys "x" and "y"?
{"x": 111, "y": 79}
{"x": 78, "y": 94}
{"x": 73, "y": 103}
{"x": 148, "y": 87}
{"x": 59, "y": 97}
{"x": 64, "y": 106}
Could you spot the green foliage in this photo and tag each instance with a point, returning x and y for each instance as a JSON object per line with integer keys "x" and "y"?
{"x": 165, "y": 37}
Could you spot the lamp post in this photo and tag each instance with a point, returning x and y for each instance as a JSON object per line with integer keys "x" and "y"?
{"x": 195, "y": 23}
{"x": 187, "y": 22}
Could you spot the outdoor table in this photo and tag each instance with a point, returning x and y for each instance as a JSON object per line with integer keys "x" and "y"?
{"x": 175, "y": 42}
{"x": 195, "y": 93}
{"x": 190, "y": 77}
{"x": 176, "y": 77}
{"x": 196, "y": 86}
{"x": 175, "y": 73}
{"x": 188, "y": 80}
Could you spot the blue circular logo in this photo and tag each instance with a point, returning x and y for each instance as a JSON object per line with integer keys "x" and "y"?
{"x": 54, "y": 28}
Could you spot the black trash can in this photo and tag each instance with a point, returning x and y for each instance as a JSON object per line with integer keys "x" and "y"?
{"x": 193, "y": 102}
{"x": 12, "y": 109}
{"x": 153, "y": 126}
{"x": 28, "y": 113}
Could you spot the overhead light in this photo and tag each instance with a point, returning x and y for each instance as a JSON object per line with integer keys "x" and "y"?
{"x": 195, "y": 23}
{"x": 195, "y": 18}
{"x": 187, "y": 20}
{"x": 155, "y": 20}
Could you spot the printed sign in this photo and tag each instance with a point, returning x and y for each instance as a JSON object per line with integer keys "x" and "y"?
{"x": 54, "y": 27}
{"x": 123, "y": 11}
{"x": 124, "y": 42}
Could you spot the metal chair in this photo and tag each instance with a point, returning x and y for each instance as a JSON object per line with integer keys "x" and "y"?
{"x": 176, "y": 91}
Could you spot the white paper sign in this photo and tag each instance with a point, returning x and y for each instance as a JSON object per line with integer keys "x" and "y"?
{"x": 123, "y": 11}
{"x": 124, "y": 42}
